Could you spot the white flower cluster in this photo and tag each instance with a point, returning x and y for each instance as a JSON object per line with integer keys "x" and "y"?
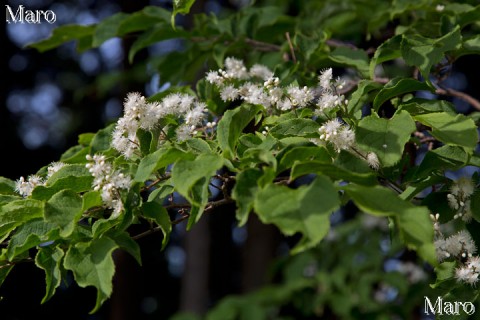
{"x": 343, "y": 138}
{"x": 25, "y": 187}
{"x": 459, "y": 198}
{"x": 138, "y": 113}
{"x": 329, "y": 98}
{"x": 461, "y": 247}
{"x": 108, "y": 181}
{"x": 338, "y": 134}
{"x": 259, "y": 86}
{"x": 470, "y": 271}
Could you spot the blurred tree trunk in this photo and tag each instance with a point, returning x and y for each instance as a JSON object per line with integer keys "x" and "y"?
{"x": 194, "y": 296}
{"x": 258, "y": 253}
{"x": 127, "y": 294}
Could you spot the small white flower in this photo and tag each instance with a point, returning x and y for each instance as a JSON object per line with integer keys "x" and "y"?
{"x": 229, "y": 93}
{"x": 108, "y": 181}
{"x": 339, "y": 135}
{"x": 214, "y": 78}
{"x": 260, "y": 71}
{"x": 459, "y": 243}
{"x": 328, "y": 101}
{"x": 325, "y": 79}
{"x": 195, "y": 115}
{"x": 466, "y": 275}
{"x": 235, "y": 68}
{"x": 184, "y": 132}
{"x": 300, "y": 96}
{"x": 25, "y": 187}
{"x": 54, "y": 167}
{"x": 372, "y": 160}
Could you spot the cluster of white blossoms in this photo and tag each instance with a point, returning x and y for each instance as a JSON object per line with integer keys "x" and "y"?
{"x": 459, "y": 198}
{"x": 342, "y": 137}
{"x": 470, "y": 271}
{"x": 338, "y": 134}
{"x": 461, "y": 247}
{"x": 259, "y": 86}
{"x": 25, "y": 187}
{"x": 108, "y": 181}
{"x": 140, "y": 114}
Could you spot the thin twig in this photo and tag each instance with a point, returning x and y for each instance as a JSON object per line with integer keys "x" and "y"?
{"x": 153, "y": 184}
{"x": 292, "y": 51}
{"x": 262, "y": 46}
{"x": 210, "y": 206}
{"x": 461, "y": 95}
{"x": 337, "y": 43}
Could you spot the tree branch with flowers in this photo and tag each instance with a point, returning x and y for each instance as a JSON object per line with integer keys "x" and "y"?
{"x": 251, "y": 128}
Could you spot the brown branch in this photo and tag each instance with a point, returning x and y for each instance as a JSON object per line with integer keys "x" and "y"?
{"x": 263, "y": 46}
{"x": 153, "y": 184}
{"x": 458, "y": 94}
{"x": 12, "y": 263}
{"x": 292, "y": 51}
{"x": 337, "y": 43}
{"x": 209, "y": 207}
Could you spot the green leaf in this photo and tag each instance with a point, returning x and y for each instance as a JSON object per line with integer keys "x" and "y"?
{"x": 470, "y": 45}
{"x": 440, "y": 159}
{"x": 244, "y": 193}
{"x": 424, "y": 53}
{"x": 306, "y": 209}
{"x": 4, "y": 198}
{"x": 356, "y": 58}
{"x": 108, "y": 28}
{"x": 333, "y": 171}
{"x": 29, "y": 235}
{"x": 451, "y": 129}
{"x": 231, "y": 126}
{"x": 64, "y": 210}
{"x": 161, "y": 192}
{"x": 91, "y": 199}
{"x": 396, "y": 87}
{"x": 4, "y": 271}
{"x": 389, "y": 50}
{"x": 144, "y": 19}
{"x": 49, "y": 259}
{"x": 295, "y": 127}
{"x": 361, "y": 95}
{"x": 75, "y": 177}
{"x": 385, "y": 137}
{"x": 413, "y": 222}
{"x": 417, "y": 106}
{"x": 198, "y": 145}
{"x": 18, "y": 212}
{"x": 84, "y": 139}
{"x": 64, "y": 34}
{"x": 157, "y": 213}
{"x": 157, "y": 160}
{"x": 102, "y": 139}
{"x": 125, "y": 242}
{"x": 159, "y": 32}
{"x": 302, "y": 154}
{"x": 191, "y": 179}
{"x": 75, "y": 154}
{"x": 92, "y": 265}
{"x": 7, "y": 186}
{"x": 182, "y": 7}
